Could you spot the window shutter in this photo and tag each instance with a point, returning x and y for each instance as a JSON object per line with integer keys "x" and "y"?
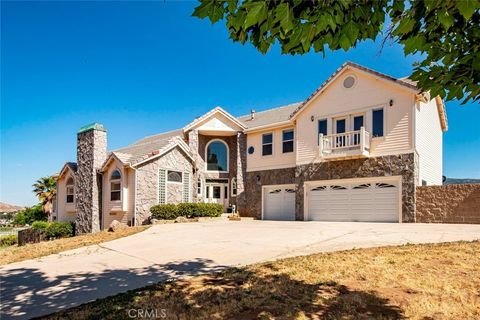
{"x": 161, "y": 186}
{"x": 186, "y": 187}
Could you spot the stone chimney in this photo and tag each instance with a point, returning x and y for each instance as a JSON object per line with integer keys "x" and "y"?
{"x": 91, "y": 154}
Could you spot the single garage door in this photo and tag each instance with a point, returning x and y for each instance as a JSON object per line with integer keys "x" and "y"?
{"x": 360, "y": 200}
{"x": 279, "y": 203}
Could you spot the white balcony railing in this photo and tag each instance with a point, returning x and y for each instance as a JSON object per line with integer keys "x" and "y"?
{"x": 351, "y": 143}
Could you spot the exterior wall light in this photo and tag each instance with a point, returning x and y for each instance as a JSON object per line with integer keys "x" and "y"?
{"x": 390, "y": 102}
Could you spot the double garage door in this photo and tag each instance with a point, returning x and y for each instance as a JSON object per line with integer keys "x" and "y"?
{"x": 354, "y": 200}
{"x": 369, "y": 200}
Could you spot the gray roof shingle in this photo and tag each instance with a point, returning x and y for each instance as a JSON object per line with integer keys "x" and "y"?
{"x": 146, "y": 146}
{"x": 271, "y": 116}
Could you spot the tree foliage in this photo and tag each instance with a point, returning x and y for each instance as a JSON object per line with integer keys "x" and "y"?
{"x": 29, "y": 215}
{"x": 45, "y": 189}
{"x": 445, "y": 32}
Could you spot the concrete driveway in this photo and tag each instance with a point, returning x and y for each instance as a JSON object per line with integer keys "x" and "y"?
{"x": 42, "y": 286}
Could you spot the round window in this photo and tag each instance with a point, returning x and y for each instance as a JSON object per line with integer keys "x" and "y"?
{"x": 348, "y": 82}
{"x": 251, "y": 150}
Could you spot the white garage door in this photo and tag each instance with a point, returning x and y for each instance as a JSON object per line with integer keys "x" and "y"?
{"x": 361, "y": 200}
{"x": 279, "y": 203}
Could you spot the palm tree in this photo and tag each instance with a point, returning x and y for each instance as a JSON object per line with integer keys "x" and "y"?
{"x": 45, "y": 189}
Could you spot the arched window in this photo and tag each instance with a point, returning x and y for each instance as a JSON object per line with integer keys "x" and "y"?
{"x": 234, "y": 187}
{"x": 217, "y": 156}
{"x": 115, "y": 186}
{"x": 70, "y": 187}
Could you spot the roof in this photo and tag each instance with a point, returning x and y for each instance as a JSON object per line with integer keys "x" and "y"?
{"x": 148, "y": 146}
{"x": 210, "y": 113}
{"x": 269, "y": 117}
{"x": 405, "y": 82}
{"x": 71, "y": 165}
{"x": 92, "y": 126}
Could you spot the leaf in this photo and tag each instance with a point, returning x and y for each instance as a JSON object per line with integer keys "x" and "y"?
{"x": 203, "y": 10}
{"x": 351, "y": 31}
{"x": 284, "y": 14}
{"x": 257, "y": 13}
{"x": 445, "y": 19}
{"x": 216, "y": 12}
{"x": 467, "y": 7}
{"x": 344, "y": 42}
{"x": 406, "y": 25}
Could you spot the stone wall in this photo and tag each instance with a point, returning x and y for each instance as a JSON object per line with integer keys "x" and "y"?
{"x": 398, "y": 165}
{"x": 147, "y": 182}
{"x": 91, "y": 154}
{"x": 395, "y": 165}
{"x": 455, "y": 203}
{"x": 252, "y": 207}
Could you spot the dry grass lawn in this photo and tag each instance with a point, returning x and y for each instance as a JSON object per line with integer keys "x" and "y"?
{"x": 35, "y": 250}
{"x": 438, "y": 281}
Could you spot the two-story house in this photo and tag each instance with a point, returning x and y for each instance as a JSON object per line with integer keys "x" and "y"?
{"x": 353, "y": 151}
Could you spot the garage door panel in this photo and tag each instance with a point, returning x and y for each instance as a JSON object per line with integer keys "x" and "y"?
{"x": 279, "y": 203}
{"x": 354, "y": 201}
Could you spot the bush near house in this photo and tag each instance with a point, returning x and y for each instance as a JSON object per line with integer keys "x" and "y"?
{"x": 53, "y": 230}
{"x": 9, "y": 240}
{"x": 189, "y": 210}
{"x": 30, "y": 215}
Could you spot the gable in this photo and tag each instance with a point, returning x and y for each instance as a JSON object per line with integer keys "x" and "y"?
{"x": 216, "y": 122}
{"x": 367, "y": 91}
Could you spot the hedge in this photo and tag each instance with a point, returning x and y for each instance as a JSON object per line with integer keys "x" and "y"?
{"x": 189, "y": 210}
{"x": 9, "y": 240}
{"x": 55, "y": 229}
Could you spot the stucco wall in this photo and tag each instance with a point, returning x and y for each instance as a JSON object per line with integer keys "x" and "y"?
{"x": 147, "y": 181}
{"x": 456, "y": 203}
{"x": 278, "y": 159}
{"x": 65, "y": 211}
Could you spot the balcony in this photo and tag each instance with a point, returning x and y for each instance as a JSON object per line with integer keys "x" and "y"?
{"x": 351, "y": 144}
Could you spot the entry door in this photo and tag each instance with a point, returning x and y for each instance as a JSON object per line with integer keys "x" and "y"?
{"x": 217, "y": 193}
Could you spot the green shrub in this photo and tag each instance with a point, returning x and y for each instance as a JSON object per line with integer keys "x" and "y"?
{"x": 40, "y": 225}
{"x": 29, "y": 215}
{"x": 189, "y": 210}
{"x": 59, "y": 230}
{"x": 164, "y": 211}
{"x": 207, "y": 210}
{"x": 9, "y": 240}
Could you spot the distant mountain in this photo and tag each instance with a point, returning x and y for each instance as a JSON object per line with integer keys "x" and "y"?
{"x": 5, "y": 207}
{"x": 460, "y": 181}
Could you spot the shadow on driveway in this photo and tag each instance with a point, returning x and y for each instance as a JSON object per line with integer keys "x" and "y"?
{"x": 28, "y": 292}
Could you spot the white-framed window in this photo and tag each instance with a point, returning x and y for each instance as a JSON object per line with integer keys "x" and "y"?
{"x": 378, "y": 119}
{"x": 216, "y": 156}
{"x": 174, "y": 176}
{"x": 199, "y": 186}
{"x": 288, "y": 140}
{"x": 234, "y": 187}
{"x": 70, "y": 190}
{"x": 267, "y": 144}
{"x": 116, "y": 186}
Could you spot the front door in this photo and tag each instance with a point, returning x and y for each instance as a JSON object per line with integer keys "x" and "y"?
{"x": 217, "y": 193}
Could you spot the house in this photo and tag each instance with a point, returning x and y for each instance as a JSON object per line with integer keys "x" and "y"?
{"x": 354, "y": 150}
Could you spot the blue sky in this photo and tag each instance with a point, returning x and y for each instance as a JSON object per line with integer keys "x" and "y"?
{"x": 144, "y": 68}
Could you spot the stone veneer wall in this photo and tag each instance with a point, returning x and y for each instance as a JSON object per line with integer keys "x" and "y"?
{"x": 253, "y": 188}
{"x": 397, "y": 165}
{"x": 91, "y": 154}
{"x": 147, "y": 182}
{"x": 454, "y": 203}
